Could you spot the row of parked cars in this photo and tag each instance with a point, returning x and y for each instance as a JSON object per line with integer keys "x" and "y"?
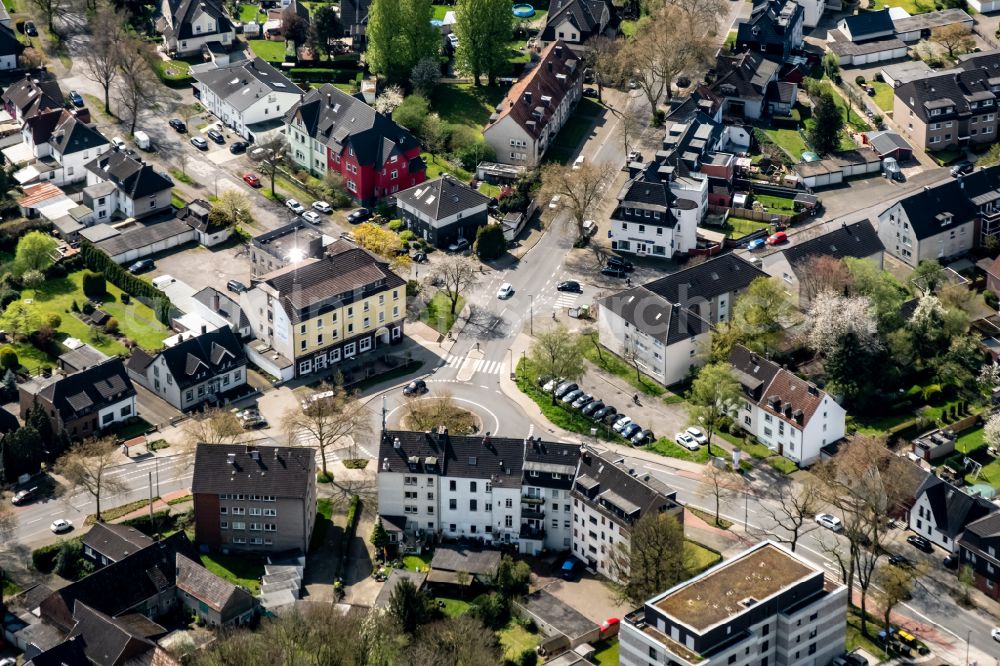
{"x": 595, "y": 409}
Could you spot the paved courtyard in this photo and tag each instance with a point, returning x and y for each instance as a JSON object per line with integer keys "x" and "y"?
{"x": 202, "y": 267}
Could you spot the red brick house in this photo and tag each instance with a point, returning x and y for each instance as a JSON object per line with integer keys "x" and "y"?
{"x": 329, "y": 130}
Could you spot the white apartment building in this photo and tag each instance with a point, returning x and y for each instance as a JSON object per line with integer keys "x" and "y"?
{"x": 765, "y": 607}
{"x": 789, "y": 415}
{"x": 607, "y": 500}
{"x": 652, "y": 219}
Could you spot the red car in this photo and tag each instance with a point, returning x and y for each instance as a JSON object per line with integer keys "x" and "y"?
{"x": 779, "y": 237}
{"x": 251, "y": 179}
{"x": 610, "y": 627}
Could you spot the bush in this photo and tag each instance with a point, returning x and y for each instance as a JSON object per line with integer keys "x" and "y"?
{"x": 56, "y": 272}
{"x": 44, "y": 558}
{"x": 406, "y": 235}
{"x": 126, "y": 299}
{"x": 880, "y": 78}
{"x": 860, "y": 80}
{"x": 490, "y": 243}
{"x": 491, "y": 609}
{"x": 8, "y": 296}
{"x": 395, "y": 225}
{"x": 8, "y": 359}
{"x": 94, "y": 284}
{"x": 528, "y": 658}
{"x": 111, "y": 326}
{"x": 412, "y": 289}
{"x": 991, "y": 299}
{"x": 88, "y": 309}
{"x": 411, "y": 113}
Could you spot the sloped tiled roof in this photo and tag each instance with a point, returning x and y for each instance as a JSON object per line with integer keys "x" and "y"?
{"x": 585, "y": 15}
{"x": 278, "y": 470}
{"x": 938, "y": 209}
{"x": 441, "y": 198}
{"x": 90, "y": 389}
{"x": 132, "y": 177}
{"x": 719, "y": 275}
{"x": 186, "y": 12}
{"x": 116, "y": 542}
{"x": 635, "y": 496}
{"x": 986, "y": 527}
{"x": 342, "y": 121}
{"x": 34, "y": 93}
{"x": 866, "y": 24}
{"x": 858, "y": 240}
{"x": 72, "y": 135}
{"x": 68, "y": 653}
{"x": 557, "y": 73}
{"x": 108, "y": 642}
{"x": 218, "y": 594}
{"x": 243, "y": 83}
{"x": 952, "y": 508}
{"x": 201, "y": 357}
{"x": 764, "y": 380}
{"x": 771, "y": 22}
{"x": 748, "y": 73}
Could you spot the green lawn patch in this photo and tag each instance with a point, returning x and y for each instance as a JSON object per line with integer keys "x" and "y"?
{"x": 874, "y": 425}
{"x": 788, "y": 140}
{"x": 437, "y": 165}
{"x": 453, "y": 607}
{"x": 515, "y": 640}
{"x": 911, "y": 6}
{"x": 629, "y": 29}
{"x": 946, "y": 157}
{"x": 851, "y": 114}
{"x": 416, "y": 563}
{"x": 699, "y": 558}
{"x": 135, "y": 320}
{"x": 559, "y": 415}
{"x": 249, "y": 13}
{"x": 10, "y": 588}
{"x": 576, "y": 129}
{"x": 243, "y": 570}
{"x": 466, "y": 104}
{"x": 130, "y": 429}
{"x": 31, "y": 357}
{"x": 441, "y": 10}
{"x": 709, "y": 517}
{"x": 782, "y": 464}
{"x": 292, "y": 190}
{"x": 96, "y": 106}
{"x": 176, "y": 201}
{"x": 114, "y": 513}
{"x": 268, "y": 50}
{"x": 782, "y": 205}
{"x": 855, "y": 639}
{"x": 671, "y": 449}
{"x": 517, "y": 53}
{"x": 173, "y": 71}
{"x": 884, "y": 97}
{"x": 607, "y": 652}
{"x": 608, "y": 362}
{"x": 438, "y": 314}
{"x": 730, "y": 40}
{"x": 738, "y": 227}
{"x": 971, "y": 440}
{"x": 179, "y": 175}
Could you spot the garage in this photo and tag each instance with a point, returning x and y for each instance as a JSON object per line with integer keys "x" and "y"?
{"x": 984, "y": 6}
{"x": 131, "y": 243}
{"x": 858, "y": 54}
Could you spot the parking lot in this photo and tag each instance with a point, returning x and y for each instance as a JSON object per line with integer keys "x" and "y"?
{"x": 202, "y": 267}
{"x": 589, "y": 595}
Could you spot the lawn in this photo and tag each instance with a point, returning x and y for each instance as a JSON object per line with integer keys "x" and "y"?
{"x": 438, "y": 314}
{"x": 516, "y": 640}
{"x": 856, "y": 118}
{"x": 249, "y": 13}
{"x": 671, "y": 449}
{"x": 884, "y": 96}
{"x": 911, "y": 6}
{"x": 557, "y": 414}
{"x": 416, "y": 563}
{"x": 788, "y": 140}
{"x": 10, "y": 588}
{"x": 855, "y": 639}
{"x": 517, "y": 53}
{"x": 268, "y": 50}
{"x": 973, "y": 444}
{"x": 730, "y": 40}
{"x": 607, "y": 652}
{"x": 441, "y": 10}
{"x": 135, "y": 320}
{"x": 738, "y": 227}
{"x": 241, "y": 570}
{"x": 880, "y": 424}
{"x": 439, "y": 165}
{"x": 698, "y": 557}
{"x": 610, "y": 363}
{"x": 970, "y": 441}
{"x": 945, "y": 157}
{"x": 774, "y": 204}
{"x": 176, "y": 201}
{"x": 453, "y": 607}
{"x": 173, "y": 70}
{"x": 575, "y": 131}
{"x": 465, "y": 104}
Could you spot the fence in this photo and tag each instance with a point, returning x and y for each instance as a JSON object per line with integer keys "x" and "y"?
{"x": 756, "y": 215}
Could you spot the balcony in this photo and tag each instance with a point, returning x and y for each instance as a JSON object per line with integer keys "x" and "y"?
{"x": 532, "y": 533}
{"x": 528, "y": 500}
{"x": 536, "y": 514}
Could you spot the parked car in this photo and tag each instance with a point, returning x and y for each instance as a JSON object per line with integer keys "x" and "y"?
{"x": 30, "y": 30}
{"x": 589, "y": 227}
{"x": 569, "y": 569}
{"x": 251, "y": 419}
{"x": 60, "y": 525}
{"x": 697, "y": 435}
{"x": 591, "y": 408}
{"x": 950, "y": 562}
{"x": 569, "y": 285}
{"x": 552, "y": 384}
{"x": 555, "y": 201}
{"x": 358, "y": 216}
{"x": 178, "y": 125}
{"x": 850, "y": 659}
{"x": 995, "y": 633}
{"x": 312, "y": 216}
{"x": 920, "y": 543}
{"x": 621, "y": 423}
{"x": 76, "y": 98}
{"x": 22, "y": 496}
{"x": 686, "y": 440}
{"x": 419, "y": 256}
{"x": 453, "y": 40}
{"x": 610, "y": 418}
{"x": 755, "y": 244}
{"x": 236, "y": 286}
{"x": 8, "y": 661}
{"x": 590, "y": 92}
{"x": 829, "y": 521}
{"x": 610, "y": 626}
{"x": 505, "y": 291}
{"x": 238, "y": 147}
{"x": 141, "y": 266}
{"x": 578, "y": 163}
{"x": 631, "y": 430}
{"x": 322, "y": 207}
{"x": 416, "y": 387}
{"x": 251, "y": 179}
{"x": 603, "y": 413}
{"x": 216, "y": 136}
{"x": 582, "y": 401}
{"x": 962, "y": 168}
{"x": 614, "y": 271}
{"x": 634, "y": 156}
{"x": 643, "y": 437}
{"x": 459, "y": 246}
{"x": 900, "y": 561}
{"x": 294, "y": 206}
{"x": 199, "y": 143}
{"x": 568, "y": 398}
{"x": 119, "y": 143}
{"x": 622, "y": 263}
{"x": 565, "y": 388}
{"x": 777, "y": 238}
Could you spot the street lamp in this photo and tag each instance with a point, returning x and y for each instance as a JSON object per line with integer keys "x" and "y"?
{"x": 531, "y": 315}
{"x": 968, "y": 637}
{"x": 510, "y": 355}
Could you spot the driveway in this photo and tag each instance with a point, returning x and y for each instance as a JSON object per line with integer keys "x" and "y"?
{"x": 202, "y": 267}
{"x": 593, "y": 597}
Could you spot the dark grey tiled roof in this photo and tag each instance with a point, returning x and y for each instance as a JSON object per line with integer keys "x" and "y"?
{"x": 89, "y": 390}
{"x": 116, "y": 542}
{"x": 635, "y": 496}
{"x": 973, "y": 78}
{"x": 749, "y": 73}
{"x": 927, "y": 210}
{"x": 765, "y": 25}
{"x": 987, "y": 527}
{"x": 228, "y": 307}
{"x": 134, "y": 238}
{"x": 665, "y": 321}
{"x": 858, "y": 240}
{"x": 865, "y": 25}
{"x": 72, "y": 135}
{"x": 9, "y": 44}
{"x": 186, "y": 12}
{"x": 354, "y": 12}
{"x": 243, "y": 83}
{"x": 441, "y": 198}
{"x": 130, "y": 176}
{"x": 887, "y": 142}
{"x": 952, "y": 508}
{"x": 279, "y": 470}
{"x": 106, "y": 641}
{"x": 719, "y": 275}
{"x": 201, "y": 357}
{"x": 33, "y": 93}
{"x": 471, "y": 560}
{"x": 218, "y": 594}
{"x": 68, "y": 653}
{"x": 585, "y": 15}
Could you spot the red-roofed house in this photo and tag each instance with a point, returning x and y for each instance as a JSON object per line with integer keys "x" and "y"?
{"x": 329, "y": 130}
{"x": 536, "y": 107}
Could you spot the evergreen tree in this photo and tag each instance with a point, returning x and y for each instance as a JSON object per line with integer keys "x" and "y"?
{"x": 22, "y": 452}
{"x": 379, "y": 538}
{"x": 484, "y": 27}
{"x": 827, "y": 123}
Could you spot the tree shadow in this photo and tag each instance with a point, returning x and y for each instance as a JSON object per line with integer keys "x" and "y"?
{"x": 483, "y": 324}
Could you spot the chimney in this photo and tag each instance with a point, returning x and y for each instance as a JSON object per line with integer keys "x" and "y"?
{"x": 558, "y": 51}
{"x": 216, "y": 298}
{"x": 329, "y": 99}
{"x": 231, "y": 458}
{"x": 385, "y": 463}
{"x": 486, "y": 440}
{"x": 527, "y": 97}
{"x": 255, "y": 455}
{"x": 204, "y": 329}
{"x": 549, "y": 63}
{"x": 813, "y": 390}
{"x": 396, "y": 444}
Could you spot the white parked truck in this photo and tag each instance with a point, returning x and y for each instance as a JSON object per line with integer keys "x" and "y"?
{"x": 142, "y": 141}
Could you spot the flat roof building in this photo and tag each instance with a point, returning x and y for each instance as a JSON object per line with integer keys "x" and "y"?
{"x": 767, "y": 605}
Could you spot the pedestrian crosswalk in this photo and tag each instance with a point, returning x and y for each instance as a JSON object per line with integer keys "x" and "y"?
{"x": 482, "y": 365}
{"x": 565, "y": 300}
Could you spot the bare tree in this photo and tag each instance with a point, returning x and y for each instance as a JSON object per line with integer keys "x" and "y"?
{"x": 716, "y": 479}
{"x": 579, "y": 188}
{"x": 137, "y": 85}
{"x": 629, "y": 125}
{"x": 214, "y": 426}
{"x": 102, "y": 59}
{"x": 8, "y": 525}
{"x": 328, "y": 421}
{"x": 51, "y": 9}
{"x": 85, "y": 467}
{"x": 425, "y": 413}
{"x": 954, "y": 37}
{"x": 894, "y": 585}
{"x": 792, "y": 508}
{"x": 605, "y": 62}
{"x": 271, "y": 156}
{"x": 823, "y": 273}
{"x": 458, "y": 274}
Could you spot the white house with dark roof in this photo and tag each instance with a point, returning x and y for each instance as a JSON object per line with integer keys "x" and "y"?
{"x": 188, "y": 25}
{"x": 789, "y": 415}
{"x": 198, "y": 369}
{"x": 650, "y": 220}
{"x": 37, "y": 91}
{"x": 74, "y": 143}
{"x": 118, "y": 183}
{"x": 251, "y": 97}
{"x": 443, "y": 210}
{"x": 942, "y": 512}
{"x": 666, "y": 324}
{"x": 106, "y": 543}
{"x": 576, "y": 21}
{"x": 536, "y": 107}
{"x": 743, "y": 82}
